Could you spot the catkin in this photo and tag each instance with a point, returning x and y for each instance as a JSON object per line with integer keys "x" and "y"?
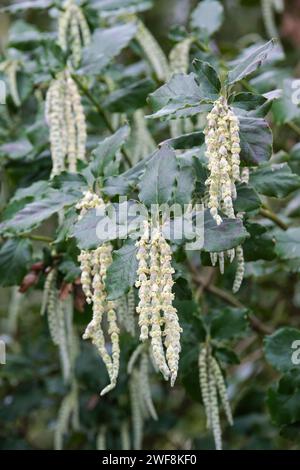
{"x": 212, "y": 385}
{"x": 94, "y": 265}
{"x": 68, "y": 411}
{"x": 101, "y": 438}
{"x": 158, "y": 318}
{"x": 268, "y": 8}
{"x": 152, "y": 51}
{"x": 136, "y": 413}
{"x": 66, "y": 120}
{"x": 73, "y": 29}
{"x": 57, "y": 318}
{"x": 223, "y": 153}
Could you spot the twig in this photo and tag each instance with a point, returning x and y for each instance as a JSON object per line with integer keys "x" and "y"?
{"x": 272, "y": 216}
{"x": 101, "y": 113}
{"x": 256, "y": 324}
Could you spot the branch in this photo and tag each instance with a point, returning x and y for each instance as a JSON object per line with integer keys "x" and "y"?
{"x": 256, "y": 324}
{"x": 38, "y": 238}
{"x": 272, "y": 216}
{"x": 101, "y": 113}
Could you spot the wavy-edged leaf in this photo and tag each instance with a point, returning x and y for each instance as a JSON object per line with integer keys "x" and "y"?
{"x": 256, "y": 140}
{"x": 275, "y": 180}
{"x": 158, "y": 181}
{"x": 251, "y": 63}
{"x": 121, "y": 274}
{"x": 105, "y": 45}
{"x": 15, "y": 257}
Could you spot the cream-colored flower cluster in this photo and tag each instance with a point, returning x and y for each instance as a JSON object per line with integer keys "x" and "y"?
{"x": 73, "y": 30}
{"x": 223, "y": 153}
{"x": 157, "y": 317}
{"x": 94, "y": 265}
{"x": 213, "y": 386}
{"x": 66, "y": 119}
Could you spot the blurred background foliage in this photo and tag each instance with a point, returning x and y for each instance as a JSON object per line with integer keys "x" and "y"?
{"x": 31, "y": 387}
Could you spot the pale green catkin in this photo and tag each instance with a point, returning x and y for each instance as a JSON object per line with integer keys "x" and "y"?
{"x": 136, "y": 413}
{"x": 153, "y": 52}
{"x": 179, "y": 63}
{"x": 212, "y": 384}
{"x": 269, "y": 7}
{"x": 125, "y": 436}
{"x": 66, "y": 413}
{"x": 101, "y": 438}
{"x": 73, "y": 31}
{"x": 11, "y": 67}
{"x": 145, "y": 387}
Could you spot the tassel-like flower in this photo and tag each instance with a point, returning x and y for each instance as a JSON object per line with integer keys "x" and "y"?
{"x": 94, "y": 265}
{"x": 73, "y": 30}
{"x": 212, "y": 384}
{"x": 223, "y": 153}
{"x": 157, "y": 317}
{"x": 66, "y": 119}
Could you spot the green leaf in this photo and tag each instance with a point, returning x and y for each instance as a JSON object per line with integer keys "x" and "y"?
{"x": 247, "y": 199}
{"x": 229, "y": 234}
{"x": 284, "y": 401}
{"x": 130, "y": 98}
{"x": 228, "y": 323}
{"x": 260, "y": 245}
{"x": 181, "y": 96}
{"x": 109, "y": 8}
{"x": 121, "y": 274}
{"x": 247, "y": 101}
{"x": 256, "y": 140}
{"x": 15, "y": 257}
{"x": 208, "y": 16}
{"x": 207, "y": 79}
{"x": 105, "y": 45}
{"x": 34, "y": 191}
{"x": 34, "y": 213}
{"x": 184, "y": 186}
{"x": 104, "y": 156}
{"x": 70, "y": 270}
{"x": 288, "y": 243}
{"x": 158, "y": 181}
{"x": 116, "y": 221}
{"x": 186, "y": 141}
{"x": 251, "y": 63}
{"x": 27, "y": 5}
{"x": 278, "y": 348}
{"x": 275, "y": 180}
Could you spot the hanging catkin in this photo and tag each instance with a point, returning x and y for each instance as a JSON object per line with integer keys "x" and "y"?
{"x": 158, "y": 318}
{"x": 269, "y": 7}
{"x": 223, "y": 153}
{"x": 179, "y": 63}
{"x": 11, "y": 67}
{"x": 57, "y": 321}
{"x": 94, "y": 265}
{"x": 212, "y": 385}
{"x": 153, "y": 52}
{"x": 66, "y": 119}
{"x": 73, "y": 31}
